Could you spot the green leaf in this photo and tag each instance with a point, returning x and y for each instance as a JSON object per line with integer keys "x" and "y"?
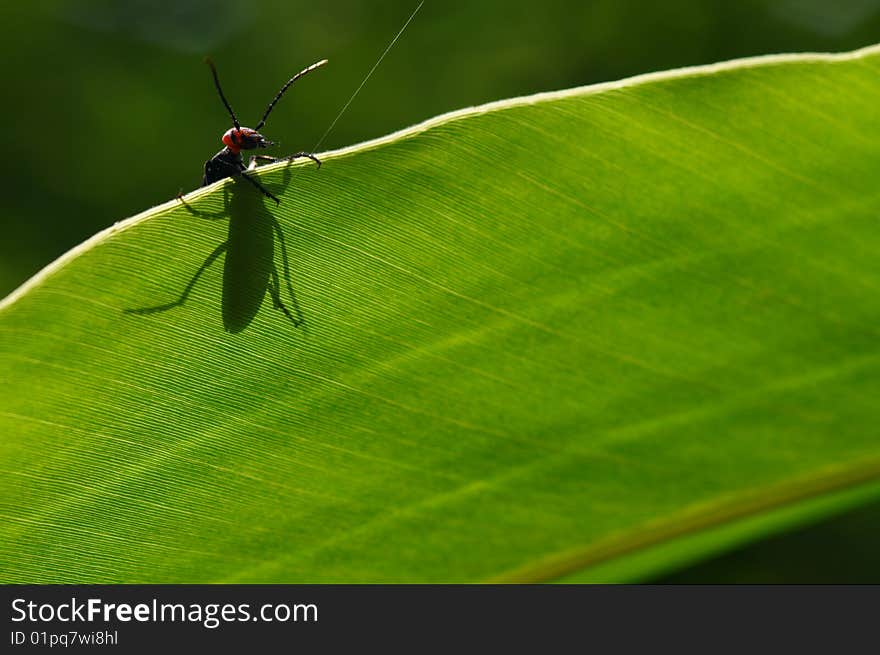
{"x": 543, "y": 339}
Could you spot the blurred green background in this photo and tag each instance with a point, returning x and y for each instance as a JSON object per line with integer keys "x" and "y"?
{"x": 108, "y": 109}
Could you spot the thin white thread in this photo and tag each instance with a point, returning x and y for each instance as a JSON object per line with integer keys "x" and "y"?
{"x": 375, "y": 66}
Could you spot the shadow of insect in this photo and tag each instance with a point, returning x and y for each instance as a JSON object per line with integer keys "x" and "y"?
{"x": 249, "y": 269}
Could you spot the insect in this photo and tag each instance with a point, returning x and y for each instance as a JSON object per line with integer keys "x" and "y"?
{"x": 228, "y": 162}
{"x": 249, "y": 264}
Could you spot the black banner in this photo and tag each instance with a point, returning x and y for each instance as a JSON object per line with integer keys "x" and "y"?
{"x": 540, "y": 618}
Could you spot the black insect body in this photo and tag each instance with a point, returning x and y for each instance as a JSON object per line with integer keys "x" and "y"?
{"x": 228, "y": 162}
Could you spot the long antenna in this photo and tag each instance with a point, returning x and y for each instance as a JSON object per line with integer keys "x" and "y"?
{"x": 220, "y": 91}
{"x": 375, "y": 66}
{"x": 284, "y": 88}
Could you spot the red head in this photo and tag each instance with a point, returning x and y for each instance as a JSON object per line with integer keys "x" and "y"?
{"x": 244, "y": 138}
{"x": 240, "y": 138}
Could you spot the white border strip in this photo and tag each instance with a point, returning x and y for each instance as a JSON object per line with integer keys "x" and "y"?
{"x": 458, "y": 114}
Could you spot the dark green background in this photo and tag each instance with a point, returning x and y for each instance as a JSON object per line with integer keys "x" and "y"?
{"x": 108, "y": 109}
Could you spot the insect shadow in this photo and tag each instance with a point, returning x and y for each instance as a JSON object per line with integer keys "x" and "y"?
{"x": 249, "y": 269}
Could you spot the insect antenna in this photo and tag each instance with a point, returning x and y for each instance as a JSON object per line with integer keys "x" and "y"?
{"x": 220, "y": 91}
{"x": 284, "y": 88}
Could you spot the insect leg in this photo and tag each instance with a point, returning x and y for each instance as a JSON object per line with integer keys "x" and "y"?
{"x": 259, "y": 186}
{"x": 297, "y": 155}
{"x": 270, "y": 159}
